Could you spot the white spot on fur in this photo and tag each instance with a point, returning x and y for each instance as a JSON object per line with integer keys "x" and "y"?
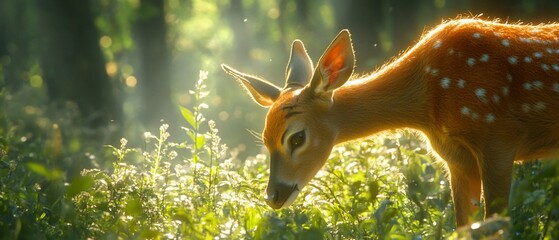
{"x": 513, "y": 60}
{"x": 476, "y": 35}
{"x": 437, "y": 44}
{"x": 480, "y": 93}
{"x": 527, "y": 86}
{"x": 484, "y": 58}
{"x": 461, "y": 83}
{"x": 489, "y": 118}
{"x": 506, "y": 91}
{"x": 555, "y": 67}
{"x": 471, "y": 62}
{"x": 509, "y": 77}
{"x": 496, "y": 98}
{"x": 524, "y": 40}
{"x": 445, "y": 83}
{"x": 505, "y": 42}
{"x": 538, "y": 54}
{"x": 556, "y": 87}
{"x": 538, "y": 85}
{"x": 527, "y": 59}
{"x": 450, "y": 51}
{"x": 465, "y": 111}
{"x": 539, "y": 106}
{"x": 545, "y": 67}
{"x": 435, "y": 72}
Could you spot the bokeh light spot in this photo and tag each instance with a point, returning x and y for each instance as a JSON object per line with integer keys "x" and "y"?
{"x": 223, "y": 116}
{"x": 185, "y": 99}
{"x": 36, "y": 81}
{"x": 105, "y": 41}
{"x": 30, "y": 110}
{"x": 111, "y": 68}
{"x": 273, "y": 13}
{"x": 131, "y": 81}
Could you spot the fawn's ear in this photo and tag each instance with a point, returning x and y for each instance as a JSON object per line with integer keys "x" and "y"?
{"x": 334, "y": 67}
{"x": 299, "y": 68}
{"x": 261, "y": 91}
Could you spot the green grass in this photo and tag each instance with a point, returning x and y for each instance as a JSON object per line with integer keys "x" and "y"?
{"x": 386, "y": 187}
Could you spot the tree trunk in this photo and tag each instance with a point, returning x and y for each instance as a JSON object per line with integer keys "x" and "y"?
{"x": 18, "y": 35}
{"x": 72, "y": 62}
{"x": 154, "y": 77}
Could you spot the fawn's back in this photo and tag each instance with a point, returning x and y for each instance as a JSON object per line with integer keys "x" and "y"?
{"x": 485, "y": 77}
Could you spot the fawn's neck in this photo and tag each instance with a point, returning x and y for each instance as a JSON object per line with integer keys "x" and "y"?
{"x": 393, "y": 97}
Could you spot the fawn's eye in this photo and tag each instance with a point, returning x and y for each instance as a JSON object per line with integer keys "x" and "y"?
{"x": 297, "y": 140}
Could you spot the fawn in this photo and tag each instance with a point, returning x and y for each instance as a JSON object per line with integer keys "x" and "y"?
{"x": 484, "y": 94}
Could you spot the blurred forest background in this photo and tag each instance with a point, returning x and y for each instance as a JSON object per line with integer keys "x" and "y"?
{"x": 76, "y": 76}
{"x": 122, "y": 67}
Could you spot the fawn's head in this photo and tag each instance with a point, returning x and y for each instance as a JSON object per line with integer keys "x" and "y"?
{"x": 297, "y": 133}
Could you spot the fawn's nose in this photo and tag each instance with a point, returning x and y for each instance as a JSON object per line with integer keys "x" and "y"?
{"x": 277, "y": 194}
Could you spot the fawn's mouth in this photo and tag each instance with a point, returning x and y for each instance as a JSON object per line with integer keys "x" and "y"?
{"x": 282, "y": 196}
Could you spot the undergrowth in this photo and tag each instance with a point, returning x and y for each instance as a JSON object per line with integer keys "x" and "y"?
{"x": 386, "y": 187}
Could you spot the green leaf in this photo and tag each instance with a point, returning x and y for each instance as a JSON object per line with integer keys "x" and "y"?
{"x": 40, "y": 169}
{"x": 200, "y": 141}
{"x": 79, "y": 184}
{"x": 188, "y": 116}
{"x": 133, "y": 206}
{"x": 312, "y": 233}
{"x": 150, "y": 234}
{"x": 374, "y": 189}
{"x": 182, "y": 216}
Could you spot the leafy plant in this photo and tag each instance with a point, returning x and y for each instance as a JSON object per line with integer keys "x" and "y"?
{"x": 386, "y": 187}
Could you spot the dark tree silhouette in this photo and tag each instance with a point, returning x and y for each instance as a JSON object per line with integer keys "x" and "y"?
{"x": 154, "y": 79}
{"x": 16, "y": 39}
{"x": 72, "y": 61}
{"x": 364, "y": 19}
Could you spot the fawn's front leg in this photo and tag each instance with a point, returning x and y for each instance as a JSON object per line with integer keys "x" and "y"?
{"x": 465, "y": 178}
{"x": 496, "y": 173}
{"x": 465, "y": 183}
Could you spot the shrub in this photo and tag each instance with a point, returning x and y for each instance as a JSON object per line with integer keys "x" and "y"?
{"x": 386, "y": 187}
